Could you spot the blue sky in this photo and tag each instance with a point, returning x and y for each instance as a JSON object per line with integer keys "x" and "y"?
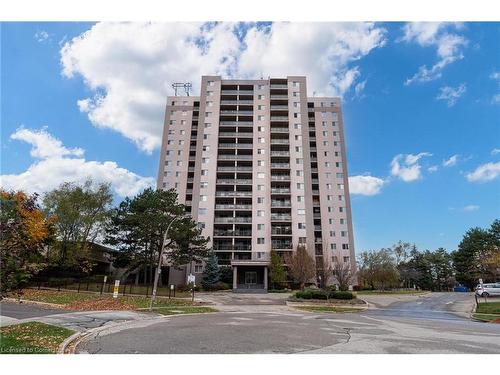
{"x": 421, "y": 109}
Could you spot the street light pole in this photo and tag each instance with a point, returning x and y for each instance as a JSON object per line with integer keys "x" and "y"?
{"x": 158, "y": 270}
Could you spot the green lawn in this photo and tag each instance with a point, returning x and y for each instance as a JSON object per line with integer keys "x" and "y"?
{"x": 389, "y": 292}
{"x": 129, "y": 289}
{"x": 335, "y": 309}
{"x": 32, "y": 338}
{"x": 488, "y": 311}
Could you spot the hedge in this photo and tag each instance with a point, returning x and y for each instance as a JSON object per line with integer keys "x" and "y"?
{"x": 323, "y": 294}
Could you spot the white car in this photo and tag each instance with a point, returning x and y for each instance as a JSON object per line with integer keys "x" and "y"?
{"x": 490, "y": 289}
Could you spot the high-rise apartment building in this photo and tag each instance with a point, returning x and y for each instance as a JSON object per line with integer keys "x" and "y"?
{"x": 261, "y": 166}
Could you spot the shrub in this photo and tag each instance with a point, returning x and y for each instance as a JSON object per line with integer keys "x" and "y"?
{"x": 226, "y": 274}
{"x": 341, "y": 295}
{"x": 305, "y": 294}
{"x": 331, "y": 288}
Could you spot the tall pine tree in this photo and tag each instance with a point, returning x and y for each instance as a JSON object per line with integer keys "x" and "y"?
{"x": 211, "y": 275}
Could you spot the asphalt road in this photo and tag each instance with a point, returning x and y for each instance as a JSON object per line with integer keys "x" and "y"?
{"x": 424, "y": 325}
{"x": 25, "y": 310}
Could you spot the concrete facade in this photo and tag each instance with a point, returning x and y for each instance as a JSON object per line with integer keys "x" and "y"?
{"x": 261, "y": 166}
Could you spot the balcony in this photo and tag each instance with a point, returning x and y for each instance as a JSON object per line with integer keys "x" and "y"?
{"x": 281, "y": 231}
{"x": 280, "y": 165}
{"x": 281, "y": 204}
{"x": 279, "y": 118}
{"x": 280, "y": 141}
{"x": 279, "y": 245}
{"x": 280, "y": 153}
{"x": 234, "y": 157}
{"x": 317, "y": 227}
{"x": 227, "y": 181}
{"x": 279, "y": 107}
{"x": 235, "y": 102}
{"x": 233, "y": 206}
{"x": 279, "y": 97}
{"x": 280, "y": 191}
{"x": 278, "y": 217}
{"x": 232, "y": 247}
{"x": 236, "y": 112}
{"x": 232, "y": 233}
{"x": 236, "y": 134}
{"x": 233, "y": 193}
{"x": 231, "y": 220}
{"x": 235, "y": 145}
{"x": 234, "y": 169}
{"x": 280, "y": 177}
{"x": 280, "y": 130}
{"x": 239, "y": 123}
{"x": 279, "y": 86}
{"x": 236, "y": 92}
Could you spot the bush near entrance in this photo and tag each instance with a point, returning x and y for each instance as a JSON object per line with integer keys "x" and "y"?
{"x": 324, "y": 294}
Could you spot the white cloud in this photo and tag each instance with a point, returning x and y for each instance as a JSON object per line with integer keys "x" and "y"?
{"x": 433, "y": 168}
{"x": 485, "y": 172}
{"x": 451, "y": 161}
{"x": 406, "y": 166}
{"x": 495, "y": 76}
{"x": 359, "y": 89}
{"x": 495, "y": 99}
{"x": 42, "y": 36}
{"x": 130, "y": 66}
{"x": 434, "y": 34}
{"x": 450, "y": 94}
{"x": 58, "y": 164}
{"x": 471, "y": 207}
{"x": 365, "y": 185}
{"x": 495, "y": 151}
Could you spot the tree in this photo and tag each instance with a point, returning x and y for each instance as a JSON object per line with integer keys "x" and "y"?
{"x": 378, "y": 269}
{"x": 25, "y": 232}
{"x": 137, "y": 227}
{"x": 277, "y": 272}
{"x": 211, "y": 274}
{"x": 79, "y": 213}
{"x": 472, "y": 258}
{"x": 323, "y": 270}
{"x": 301, "y": 266}
{"x": 342, "y": 274}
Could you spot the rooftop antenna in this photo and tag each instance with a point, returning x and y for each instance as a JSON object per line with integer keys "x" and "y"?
{"x": 314, "y": 94}
{"x": 182, "y": 85}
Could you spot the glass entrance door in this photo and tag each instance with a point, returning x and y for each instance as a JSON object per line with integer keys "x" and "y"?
{"x": 250, "y": 278}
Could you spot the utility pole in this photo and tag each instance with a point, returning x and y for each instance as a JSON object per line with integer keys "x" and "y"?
{"x": 158, "y": 270}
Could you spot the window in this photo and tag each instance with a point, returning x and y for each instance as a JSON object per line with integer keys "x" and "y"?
{"x": 260, "y": 241}
{"x": 204, "y": 172}
{"x": 179, "y": 163}
{"x": 301, "y": 211}
{"x": 181, "y": 142}
{"x": 341, "y": 209}
{"x": 298, "y": 149}
{"x": 203, "y": 184}
{"x": 261, "y": 128}
{"x": 298, "y": 137}
{"x": 300, "y": 186}
{"x": 261, "y": 175}
{"x": 261, "y": 107}
{"x": 260, "y": 163}
{"x": 299, "y": 173}
{"x": 198, "y": 268}
{"x": 169, "y": 152}
{"x": 302, "y": 240}
{"x": 339, "y": 175}
{"x": 333, "y": 246}
{"x": 329, "y": 197}
{"x": 297, "y": 126}
{"x": 295, "y": 84}
{"x": 260, "y": 200}
{"x": 184, "y": 113}
{"x": 329, "y": 186}
{"x": 167, "y": 173}
{"x": 327, "y": 164}
{"x": 260, "y": 226}
{"x": 332, "y": 233}
{"x": 201, "y": 225}
{"x": 328, "y": 175}
{"x": 330, "y": 209}
{"x": 210, "y": 104}
{"x": 341, "y": 197}
{"x": 299, "y": 161}
{"x": 335, "y": 116}
{"x": 183, "y": 122}
{"x": 170, "y": 142}
{"x": 260, "y": 213}
{"x": 260, "y": 117}
{"x": 301, "y": 225}
{"x": 295, "y": 93}
{"x": 330, "y": 221}
{"x": 260, "y": 187}
{"x": 296, "y": 115}
{"x": 261, "y": 140}
{"x": 179, "y": 152}
{"x": 346, "y": 259}
{"x": 323, "y": 123}
{"x": 325, "y": 143}
{"x": 210, "y": 83}
{"x": 206, "y": 148}
{"x": 177, "y": 174}
{"x": 168, "y": 163}
{"x": 260, "y": 97}
{"x": 202, "y": 211}
{"x": 208, "y": 114}
{"x": 296, "y": 104}
{"x": 338, "y": 164}
{"x": 345, "y": 246}
{"x": 207, "y": 125}
{"x": 343, "y": 233}
{"x": 261, "y": 151}
{"x": 206, "y": 136}
{"x": 342, "y": 221}
{"x": 203, "y": 198}
{"x": 205, "y": 160}
{"x": 340, "y": 186}
{"x": 336, "y": 153}
{"x": 171, "y": 132}
{"x": 210, "y": 93}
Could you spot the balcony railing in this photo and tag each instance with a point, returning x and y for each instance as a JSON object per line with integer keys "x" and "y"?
{"x": 279, "y": 97}
{"x": 232, "y": 233}
{"x": 227, "y": 181}
{"x": 236, "y": 92}
{"x": 280, "y": 141}
{"x": 281, "y": 245}
{"x": 235, "y": 112}
{"x": 281, "y": 204}
{"x": 279, "y": 107}
{"x": 235, "y": 102}
{"x": 281, "y": 217}
{"x": 225, "y": 220}
{"x": 280, "y": 130}
{"x": 280, "y": 178}
{"x": 239, "y": 123}
{"x": 279, "y": 86}
{"x": 280, "y": 191}
{"x": 232, "y": 169}
{"x": 280, "y": 153}
{"x": 234, "y": 157}
{"x": 281, "y": 231}
{"x": 280, "y": 165}
{"x": 233, "y": 193}
{"x": 235, "y": 145}
{"x": 235, "y": 134}
{"x": 233, "y": 247}
{"x": 279, "y": 118}
{"x": 233, "y": 206}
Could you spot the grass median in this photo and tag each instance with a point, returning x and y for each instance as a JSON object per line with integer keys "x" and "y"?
{"x": 32, "y": 338}
{"x": 488, "y": 312}
{"x": 328, "y": 309}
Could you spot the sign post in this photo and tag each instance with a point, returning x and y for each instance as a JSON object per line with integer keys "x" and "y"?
{"x": 116, "y": 288}
{"x": 192, "y": 281}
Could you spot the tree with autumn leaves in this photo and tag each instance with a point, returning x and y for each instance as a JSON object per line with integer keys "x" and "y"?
{"x": 25, "y": 233}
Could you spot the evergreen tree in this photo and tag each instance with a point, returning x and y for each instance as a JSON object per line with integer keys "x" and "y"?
{"x": 211, "y": 275}
{"x": 277, "y": 270}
